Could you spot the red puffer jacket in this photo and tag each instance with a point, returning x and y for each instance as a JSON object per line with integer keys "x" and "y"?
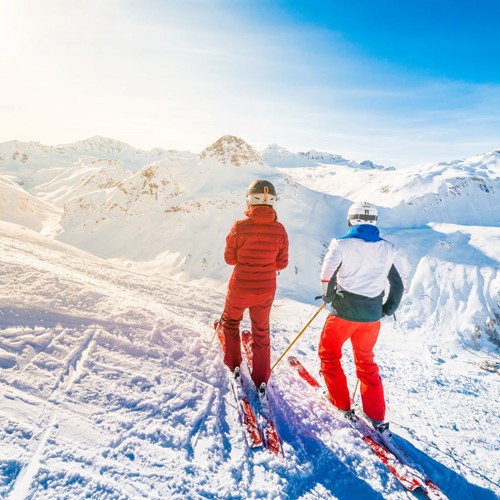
{"x": 257, "y": 247}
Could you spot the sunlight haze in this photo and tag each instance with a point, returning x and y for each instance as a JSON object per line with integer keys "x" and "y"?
{"x": 178, "y": 75}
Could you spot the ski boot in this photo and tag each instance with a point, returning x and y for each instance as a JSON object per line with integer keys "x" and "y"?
{"x": 382, "y": 427}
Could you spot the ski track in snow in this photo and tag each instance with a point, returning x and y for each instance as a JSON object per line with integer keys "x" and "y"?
{"x": 111, "y": 386}
{"x": 71, "y": 370}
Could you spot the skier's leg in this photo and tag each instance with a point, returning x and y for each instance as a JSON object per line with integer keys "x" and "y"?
{"x": 231, "y": 319}
{"x": 371, "y": 388}
{"x": 261, "y": 345}
{"x": 335, "y": 332}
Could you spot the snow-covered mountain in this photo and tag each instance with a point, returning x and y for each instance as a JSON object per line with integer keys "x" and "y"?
{"x": 231, "y": 150}
{"x": 137, "y": 325}
{"x": 19, "y": 206}
{"x": 35, "y": 163}
{"x": 461, "y": 191}
{"x": 171, "y": 217}
{"x": 278, "y": 156}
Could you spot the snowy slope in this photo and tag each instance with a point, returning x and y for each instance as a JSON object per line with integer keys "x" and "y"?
{"x": 110, "y": 387}
{"x": 19, "y": 206}
{"x": 59, "y": 185}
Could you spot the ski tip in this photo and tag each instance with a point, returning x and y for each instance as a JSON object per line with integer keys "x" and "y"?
{"x": 432, "y": 491}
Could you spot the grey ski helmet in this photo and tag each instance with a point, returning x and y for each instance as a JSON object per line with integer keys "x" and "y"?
{"x": 261, "y": 192}
{"x": 362, "y": 213}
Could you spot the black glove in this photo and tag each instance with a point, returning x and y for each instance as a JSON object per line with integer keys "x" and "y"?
{"x": 387, "y": 314}
{"x": 388, "y": 309}
{"x": 330, "y": 292}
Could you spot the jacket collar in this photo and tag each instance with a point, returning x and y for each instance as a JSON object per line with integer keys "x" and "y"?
{"x": 261, "y": 213}
{"x": 366, "y": 232}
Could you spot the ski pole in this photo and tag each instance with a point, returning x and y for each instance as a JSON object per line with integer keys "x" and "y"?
{"x": 297, "y": 337}
{"x": 219, "y": 326}
{"x": 355, "y": 389}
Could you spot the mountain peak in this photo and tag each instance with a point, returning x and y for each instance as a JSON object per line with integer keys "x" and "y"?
{"x": 232, "y": 150}
{"x": 98, "y": 144}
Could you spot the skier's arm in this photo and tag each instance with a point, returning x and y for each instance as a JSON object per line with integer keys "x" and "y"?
{"x": 331, "y": 262}
{"x": 329, "y": 269}
{"x": 328, "y": 288}
{"x": 231, "y": 252}
{"x": 282, "y": 257}
{"x": 400, "y": 269}
{"x": 396, "y": 288}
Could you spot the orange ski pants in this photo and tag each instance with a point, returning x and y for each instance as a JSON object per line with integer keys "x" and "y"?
{"x": 259, "y": 309}
{"x": 363, "y": 338}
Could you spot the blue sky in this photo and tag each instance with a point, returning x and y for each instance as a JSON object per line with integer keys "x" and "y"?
{"x": 443, "y": 39}
{"x": 396, "y": 82}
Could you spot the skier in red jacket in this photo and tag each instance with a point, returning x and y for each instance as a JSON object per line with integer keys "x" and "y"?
{"x": 257, "y": 247}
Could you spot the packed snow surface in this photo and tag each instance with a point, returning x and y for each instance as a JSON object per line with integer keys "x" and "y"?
{"x": 112, "y": 386}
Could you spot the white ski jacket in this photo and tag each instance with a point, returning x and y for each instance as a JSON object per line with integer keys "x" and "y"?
{"x": 364, "y": 266}
{"x": 358, "y": 268}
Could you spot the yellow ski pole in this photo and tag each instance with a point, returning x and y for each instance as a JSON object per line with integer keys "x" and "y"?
{"x": 297, "y": 337}
{"x": 355, "y": 389}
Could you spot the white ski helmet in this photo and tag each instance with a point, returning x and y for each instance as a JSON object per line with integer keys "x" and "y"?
{"x": 261, "y": 192}
{"x": 362, "y": 213}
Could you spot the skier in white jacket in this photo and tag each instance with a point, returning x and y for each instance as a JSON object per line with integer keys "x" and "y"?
{"x": 354, "y": 275}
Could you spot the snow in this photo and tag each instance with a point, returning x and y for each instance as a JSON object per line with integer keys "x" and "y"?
{"x": 277, "y": 156}
{"x": 112, "y": 385}
{"x": 19, "y": 206}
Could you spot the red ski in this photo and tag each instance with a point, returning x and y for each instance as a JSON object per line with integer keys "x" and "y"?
{"x": 396, "y": 461}
{"x": 271, "y": 436}
{"x": 295, "y": 363}
{"x": 248, "y": 420}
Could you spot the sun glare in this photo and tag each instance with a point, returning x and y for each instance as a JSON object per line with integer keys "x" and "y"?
{"x": 10, "y": 29}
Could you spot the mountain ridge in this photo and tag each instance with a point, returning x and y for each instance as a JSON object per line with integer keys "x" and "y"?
{"x": 100, "y": 146}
